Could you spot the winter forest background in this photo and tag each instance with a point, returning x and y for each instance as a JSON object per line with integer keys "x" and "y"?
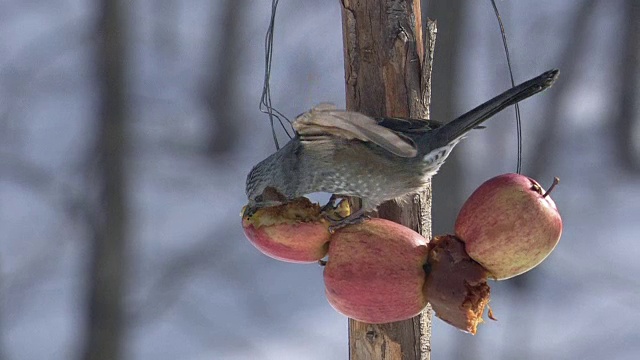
{"x": 193, "y": 287}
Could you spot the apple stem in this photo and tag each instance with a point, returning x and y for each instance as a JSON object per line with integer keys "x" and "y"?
{"x": 322, "y": 262}
{"x": 556, "y": 181}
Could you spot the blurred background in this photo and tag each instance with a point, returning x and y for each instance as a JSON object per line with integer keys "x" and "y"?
{"x": 126, "y": 135}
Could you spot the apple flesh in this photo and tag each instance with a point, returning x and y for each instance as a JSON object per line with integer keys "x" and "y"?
{"x": 293, "y": 232}
{"x": 375, "y": 272}
{"x": 456, "y": 285}
{"x": 509, "y": 225}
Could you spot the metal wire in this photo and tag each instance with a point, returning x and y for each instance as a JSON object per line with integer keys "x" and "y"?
{"x": 266, "y": 106}
{"x": 517, "y": 107}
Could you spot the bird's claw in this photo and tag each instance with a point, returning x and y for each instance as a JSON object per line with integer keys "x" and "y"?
{"x": 353, "y": 219}
{"x": 333, "y": 212}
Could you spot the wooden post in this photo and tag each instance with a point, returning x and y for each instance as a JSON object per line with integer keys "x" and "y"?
{"x": 388, "y": 73}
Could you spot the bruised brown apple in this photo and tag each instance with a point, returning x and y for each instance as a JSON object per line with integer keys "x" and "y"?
{"x": 456, "y": 285}
{"x": 375, "y": 272}
{"x": 509, "y": 225}
{"x": 293, "y": 232}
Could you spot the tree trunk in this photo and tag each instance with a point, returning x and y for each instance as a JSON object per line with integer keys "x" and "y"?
{"x": 388, "y": 73}
{"x": 629, "y": 82}
{"x": 106, "y": 274}
{"x": 220, "y": 91}
{"x": 448, "y": 185}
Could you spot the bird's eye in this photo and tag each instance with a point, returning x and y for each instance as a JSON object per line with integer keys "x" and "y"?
{"x": 259, "y": 198}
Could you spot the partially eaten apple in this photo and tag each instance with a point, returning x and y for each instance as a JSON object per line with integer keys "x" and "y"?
{"x": 294, "y": 232}
{"x": 456, "y": 285}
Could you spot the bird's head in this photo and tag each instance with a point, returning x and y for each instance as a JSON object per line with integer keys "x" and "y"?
{"x": 261, "y": 191}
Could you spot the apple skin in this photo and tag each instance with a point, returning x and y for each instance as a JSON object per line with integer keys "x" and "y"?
{"x": 375, "y": 272}
{"x": 295, "y": 243}
{"x": 508, "y": 226}
{"x": 294, "y": 232}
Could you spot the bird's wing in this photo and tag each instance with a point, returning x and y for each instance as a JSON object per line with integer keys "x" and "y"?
{"x": 407, "y": 126}
{"x": 325, "y": 120}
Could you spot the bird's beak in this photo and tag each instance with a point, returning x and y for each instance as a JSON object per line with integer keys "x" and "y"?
{"x": 270, "y": 197}
{"x": 252, "y": 207}
{"x": 248, "y": 211}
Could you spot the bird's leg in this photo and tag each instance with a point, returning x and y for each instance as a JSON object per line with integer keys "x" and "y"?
{"x": 331, "y": 205}
{"x": 331, "y": 212}
{"x": 356, "y": 217}
{"x": 335, "y": 209}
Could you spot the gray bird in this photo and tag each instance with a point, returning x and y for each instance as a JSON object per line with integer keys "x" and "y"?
{"x": 376, "y": 159}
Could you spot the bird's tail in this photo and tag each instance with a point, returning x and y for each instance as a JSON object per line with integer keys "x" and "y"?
{"x": 461, "y": 125}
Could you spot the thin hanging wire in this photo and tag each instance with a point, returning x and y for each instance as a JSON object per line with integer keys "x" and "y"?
{"x": 517, "y": 107}
{"x": 265, "y": 100}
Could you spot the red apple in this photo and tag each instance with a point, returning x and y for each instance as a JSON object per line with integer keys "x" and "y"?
{"x": 375, "y": 272}
{"x": 294, "y": 232}
{"x": 456, "y": 285}
{"x": 509, "y": 225}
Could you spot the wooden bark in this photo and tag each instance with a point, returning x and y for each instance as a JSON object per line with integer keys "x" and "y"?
{"x": 388, "y": 73}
